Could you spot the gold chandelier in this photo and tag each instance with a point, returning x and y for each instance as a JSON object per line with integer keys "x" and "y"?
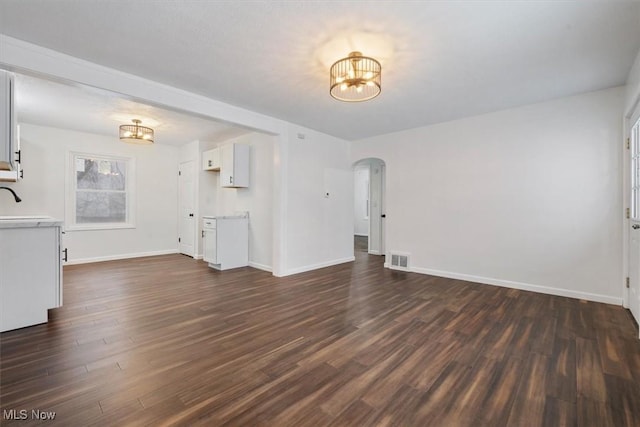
{"x": 355, "y": 78}
{"x": 136, "y": 134}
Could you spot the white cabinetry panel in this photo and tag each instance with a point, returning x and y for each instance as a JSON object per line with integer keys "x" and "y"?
{"x": 30, "y": 275}
{"x": 211, "y": 160}
{"x": 226, "y": 242}
{"x": 234, "y": 165}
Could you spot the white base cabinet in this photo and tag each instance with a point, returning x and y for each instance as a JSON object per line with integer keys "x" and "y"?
{"x": 226, "y": 241}
{"x": 30, "y": 275}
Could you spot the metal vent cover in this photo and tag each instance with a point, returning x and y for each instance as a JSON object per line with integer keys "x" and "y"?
{"x": 400, "y": 261}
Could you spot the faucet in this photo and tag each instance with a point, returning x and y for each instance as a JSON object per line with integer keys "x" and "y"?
{"x": 15, "y": 196}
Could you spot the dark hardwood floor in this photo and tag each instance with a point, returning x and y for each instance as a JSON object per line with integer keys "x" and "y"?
{"x": 360, "y": 243}
{"x": 166, "y": 340}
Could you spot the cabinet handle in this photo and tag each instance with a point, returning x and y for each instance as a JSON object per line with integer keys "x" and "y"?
{"x": 66, "y": 255}
{"x": 230, "y": 180}
{"x": 209, "y": 163}
{"x": 19, "y": 154}
{"x": 203, "y": 233}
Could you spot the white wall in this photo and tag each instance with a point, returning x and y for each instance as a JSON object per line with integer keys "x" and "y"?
{"x": 632, "y": 92}
{"x": 529, "y": 197}
{"x": 360, "y": 200}
{"x": 257, "y": 199}
{"x": 45, "y": 153}
{"x": 319, "y": 229}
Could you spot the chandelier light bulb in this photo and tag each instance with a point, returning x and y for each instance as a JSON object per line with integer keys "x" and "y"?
{"x": 136, "y": 133}
{"x": 358, "y": 72}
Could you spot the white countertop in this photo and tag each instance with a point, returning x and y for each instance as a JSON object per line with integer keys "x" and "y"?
{"x": 244, "y": 215}
{"x": 29, "y": 221}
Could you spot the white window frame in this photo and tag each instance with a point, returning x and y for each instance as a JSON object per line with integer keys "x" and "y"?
{"x": 71, "y": 184}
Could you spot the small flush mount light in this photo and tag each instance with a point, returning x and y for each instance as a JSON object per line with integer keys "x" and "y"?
{"x": 355, "y": 78}
{"x": 136, "y": 134}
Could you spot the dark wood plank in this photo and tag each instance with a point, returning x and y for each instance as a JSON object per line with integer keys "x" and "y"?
{"x": 589, "y": 370}
{"x": 167, "y": 341}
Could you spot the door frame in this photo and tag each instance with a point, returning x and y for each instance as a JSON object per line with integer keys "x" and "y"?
{"x": 383, "y": 209}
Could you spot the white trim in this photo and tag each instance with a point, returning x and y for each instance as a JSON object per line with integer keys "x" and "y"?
{"x": 518, "y": 285}
{"x": 120, "y": 256}
{"x": 98, "y": 226}
{"x": 70, "y": 192}
{"x": 260, "y": 266}
{"x": 320, "y": 265}
{"x": 634, "y": 114}
{"x": 360, "y": 234}
{"x": 280, "y": 204}
{"x": 197, "y": 256}
{"x": 626, "y": 204}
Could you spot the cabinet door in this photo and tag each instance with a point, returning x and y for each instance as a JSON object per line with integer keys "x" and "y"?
{"x": 234, "y": 168}
{"x": 210, "y": 247}
{"x": 6, "y": 117}
{"x": 26, "y": 293}
{"x": 226, "y": 165}
{"x": 206, "y": 160}
{"x": 211, "y": 160}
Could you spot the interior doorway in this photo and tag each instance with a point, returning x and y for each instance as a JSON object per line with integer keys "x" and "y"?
{"x": 369, "y": 206}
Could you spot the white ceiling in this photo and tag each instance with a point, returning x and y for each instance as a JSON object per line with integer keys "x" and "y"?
{"x": 441, "y": 60}
{"x": 86, "y": 109}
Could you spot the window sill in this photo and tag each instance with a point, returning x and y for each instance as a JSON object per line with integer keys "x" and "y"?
{"x": 90, "y": 227}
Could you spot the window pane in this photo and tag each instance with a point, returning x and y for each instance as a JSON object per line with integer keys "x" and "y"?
{"x": 100, "y": 174}
{"x": 100, "y": 207}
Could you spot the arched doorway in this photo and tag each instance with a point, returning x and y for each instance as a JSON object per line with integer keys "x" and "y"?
{"x": 369, "y": 205}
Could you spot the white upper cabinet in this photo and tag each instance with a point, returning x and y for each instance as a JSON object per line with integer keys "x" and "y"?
{"x": 234, "y": 165}
{"x": 211, "y": 160}
{"x": 9, "y": 166}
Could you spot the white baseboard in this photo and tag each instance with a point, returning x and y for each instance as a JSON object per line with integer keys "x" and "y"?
{"x": 260, "y": 266}
{"x": 119, "y": 256}
{"x": 319, "y": 265}
{"x": 198, "y": 256}
{"x": 517, "y": 285}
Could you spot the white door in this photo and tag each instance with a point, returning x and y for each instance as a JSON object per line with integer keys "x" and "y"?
{"x": 634, "y": 269}
{"x": 361, "y": 200}
{"x": 186, "y": 206}
{"x": 383, "y": 209}
{"x": 634, "y": 223}
{"x": 376, "y": 212}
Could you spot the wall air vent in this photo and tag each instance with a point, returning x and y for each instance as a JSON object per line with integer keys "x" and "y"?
{"x": 399, "y": 261}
